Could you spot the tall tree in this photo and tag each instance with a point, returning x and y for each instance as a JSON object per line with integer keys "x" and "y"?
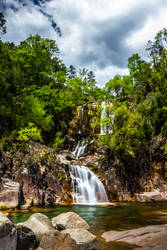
{"x": 2, "y": 24}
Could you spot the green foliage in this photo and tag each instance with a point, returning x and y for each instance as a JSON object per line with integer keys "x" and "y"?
{"x": 139, "y": 102}
{"x": 3, "y": 207}
{"x": 36, "y": 87}
{"x": 59, "y": 140}
{"x": 30, "y": 133}
{"x": 2, "y": 24}
{"x": 38, "y": 96}
{"x": 7, "y": 141}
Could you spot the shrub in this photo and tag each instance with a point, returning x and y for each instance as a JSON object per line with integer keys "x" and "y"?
{"x": 30, "y": 133}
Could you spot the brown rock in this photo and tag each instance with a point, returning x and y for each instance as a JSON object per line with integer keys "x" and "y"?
{"x": 149, "y": 197}
{"x": 9, "y": 195}
{"x": 144, "y": 237}
{"x": 69, "y": 220}
{"x": 84, "y": 239}
{"x": 57, "y": 241}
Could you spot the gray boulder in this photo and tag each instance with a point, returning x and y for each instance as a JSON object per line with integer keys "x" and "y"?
{"x": 9, "y": 194}
{"x": 8, "y": 234}
{"x": 69, "y": 220}
{"x": 84, "y": 239}
{"x": 26, "y": 238}
{"x": 144, "y": 237}
{"x": 39, "y": 224}
{"x": 149, "y": 197}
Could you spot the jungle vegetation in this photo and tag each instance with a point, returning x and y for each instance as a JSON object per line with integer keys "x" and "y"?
{"x": 39, "y": 94}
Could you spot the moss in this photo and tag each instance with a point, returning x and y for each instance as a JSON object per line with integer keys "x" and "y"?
{"x": 3, "y": 207}
{"x": 16, "y": 227}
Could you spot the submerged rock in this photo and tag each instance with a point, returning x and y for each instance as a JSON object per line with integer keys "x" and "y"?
{"x": 84, "y": 239}
{"x": 146, "y": 237}
{"x": 69, "y": 220}
{"x": 8, "y": 234}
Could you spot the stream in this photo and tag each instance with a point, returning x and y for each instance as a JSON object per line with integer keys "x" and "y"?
{"x": 120, "y": 217}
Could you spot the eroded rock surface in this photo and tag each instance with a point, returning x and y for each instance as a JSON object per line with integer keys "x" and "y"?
{"x": 69, "y": 220}
{"x": 150, "y": 196}
{"x": 57, "y": 241}
{"x": 9, "y": 193}
{"x": 145, "y": 237}
{"x": 84, "y": 239}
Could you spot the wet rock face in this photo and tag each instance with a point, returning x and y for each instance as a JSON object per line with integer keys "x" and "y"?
{"x": 85, "y": 120}
{"x": 39, "y": 172}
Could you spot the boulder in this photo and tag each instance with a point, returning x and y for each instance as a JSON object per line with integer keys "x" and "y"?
{"x": 26, "y": 238}
{"x": 25, "y": 207}
{"x": 8, "y": 234}
{"x": 69, "y": 220}
{"x": 9, "y": 194}
{"x": 57, "y": 241}
{"x": 143, "y": 237}
{"x": 39, "y": 224}
{"x": 84, "y": 239}
{"x": 149, "y": 197}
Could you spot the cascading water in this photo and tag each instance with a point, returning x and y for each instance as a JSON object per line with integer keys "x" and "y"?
{"x": 82, "y": 118}
{"x": 105, "y": 128}
{"x": 87, "y": 188}
{"x": 80, "y": 148}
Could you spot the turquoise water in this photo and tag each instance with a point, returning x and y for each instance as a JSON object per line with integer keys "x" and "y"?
{"x": 123, "y": 216}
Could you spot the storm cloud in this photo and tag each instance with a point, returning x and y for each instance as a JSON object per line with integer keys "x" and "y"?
{"x": 99, "y": 35}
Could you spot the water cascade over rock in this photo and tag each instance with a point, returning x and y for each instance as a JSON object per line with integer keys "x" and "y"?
{"x": 87, "y": 188}
{"x": 106, "y": 126}
{"x": 81, "y": 147}
{"x": 82, "y": 118}
{"x": 103, "y": 128}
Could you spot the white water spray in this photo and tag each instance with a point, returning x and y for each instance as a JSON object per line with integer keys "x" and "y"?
{"x": 87, "y": 188}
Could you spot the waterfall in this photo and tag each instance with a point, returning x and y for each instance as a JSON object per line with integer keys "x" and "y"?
{"x": 82, "y": 118}
{"x": 106, "y": 128}
{"x": 80, "y": 148}
{"x": 87, "y": 188}
{"x": 103, "y": 128}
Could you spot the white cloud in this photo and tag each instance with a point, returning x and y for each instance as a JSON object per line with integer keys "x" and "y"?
{"x": 23, "y": 23}
{"x": 99, "y": 35}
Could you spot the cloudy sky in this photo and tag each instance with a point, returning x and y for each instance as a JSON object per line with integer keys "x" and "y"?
{"x": 97, "y": 34}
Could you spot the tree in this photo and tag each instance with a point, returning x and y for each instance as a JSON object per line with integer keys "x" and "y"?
{"x": 72, "y": 71}
{"x": 2, "y": 24}
{"x": 91, "y": 76}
